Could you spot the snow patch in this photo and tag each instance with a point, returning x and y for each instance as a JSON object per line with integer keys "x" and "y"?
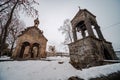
{"x": 4, "y": 58}
{"x": 50, "y": 70}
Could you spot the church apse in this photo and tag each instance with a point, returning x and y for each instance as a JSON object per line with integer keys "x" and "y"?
{"x": 31, "y": 44}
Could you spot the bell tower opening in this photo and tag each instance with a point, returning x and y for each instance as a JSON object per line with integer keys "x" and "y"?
{"x": 86, "y": 23}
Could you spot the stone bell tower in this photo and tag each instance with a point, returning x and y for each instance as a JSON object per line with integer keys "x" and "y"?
{"x": 92, "y": 48}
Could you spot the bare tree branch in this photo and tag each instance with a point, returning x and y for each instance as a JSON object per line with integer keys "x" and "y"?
{"x": 5, "y": 3}
{"x": 4, "y": 8}
{"x": 66, "y": 29}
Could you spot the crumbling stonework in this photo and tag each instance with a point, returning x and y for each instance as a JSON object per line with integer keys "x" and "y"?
{"x": 31, "y": 44}
{"x": 91, "y": 49}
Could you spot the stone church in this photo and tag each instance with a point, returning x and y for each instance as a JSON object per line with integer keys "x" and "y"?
{"x": 31, "y": 44}
{"x": 92, "y": 47}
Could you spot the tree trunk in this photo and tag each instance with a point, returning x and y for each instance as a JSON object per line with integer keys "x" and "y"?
{"x": 12, "y": 47}
{"x": 1, "y": 34}
{"x": 6, "y": 27}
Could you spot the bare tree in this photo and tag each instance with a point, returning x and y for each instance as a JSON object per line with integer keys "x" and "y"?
{"x": 14, "y": 30}
{"x": 10, "y": 7}
{"x": 67, "y": 30}
{"x": 52, "y": 50}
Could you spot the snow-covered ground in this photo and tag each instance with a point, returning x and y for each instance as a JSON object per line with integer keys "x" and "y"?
{"x": 4, "y": 58}
{"x": 50, "y": 69}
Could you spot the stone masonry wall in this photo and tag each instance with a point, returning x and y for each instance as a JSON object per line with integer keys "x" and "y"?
{"x": 88, "y": 51}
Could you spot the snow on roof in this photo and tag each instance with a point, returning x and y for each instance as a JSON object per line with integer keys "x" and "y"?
{"x": 50, "y": 69}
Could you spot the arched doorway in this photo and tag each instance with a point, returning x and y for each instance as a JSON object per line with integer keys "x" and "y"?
{"x": 23, "y": 49}
{"x": 35, "y": 50}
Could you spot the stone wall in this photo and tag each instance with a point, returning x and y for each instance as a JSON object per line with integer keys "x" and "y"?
{"x": 89, "y": 51}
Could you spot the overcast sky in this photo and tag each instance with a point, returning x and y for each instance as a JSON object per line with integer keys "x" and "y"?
{"x": 52, "y": 14}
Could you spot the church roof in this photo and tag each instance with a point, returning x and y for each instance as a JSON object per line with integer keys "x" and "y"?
{"x": 32, "y": 27}
{"x": 83, "y": 10}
